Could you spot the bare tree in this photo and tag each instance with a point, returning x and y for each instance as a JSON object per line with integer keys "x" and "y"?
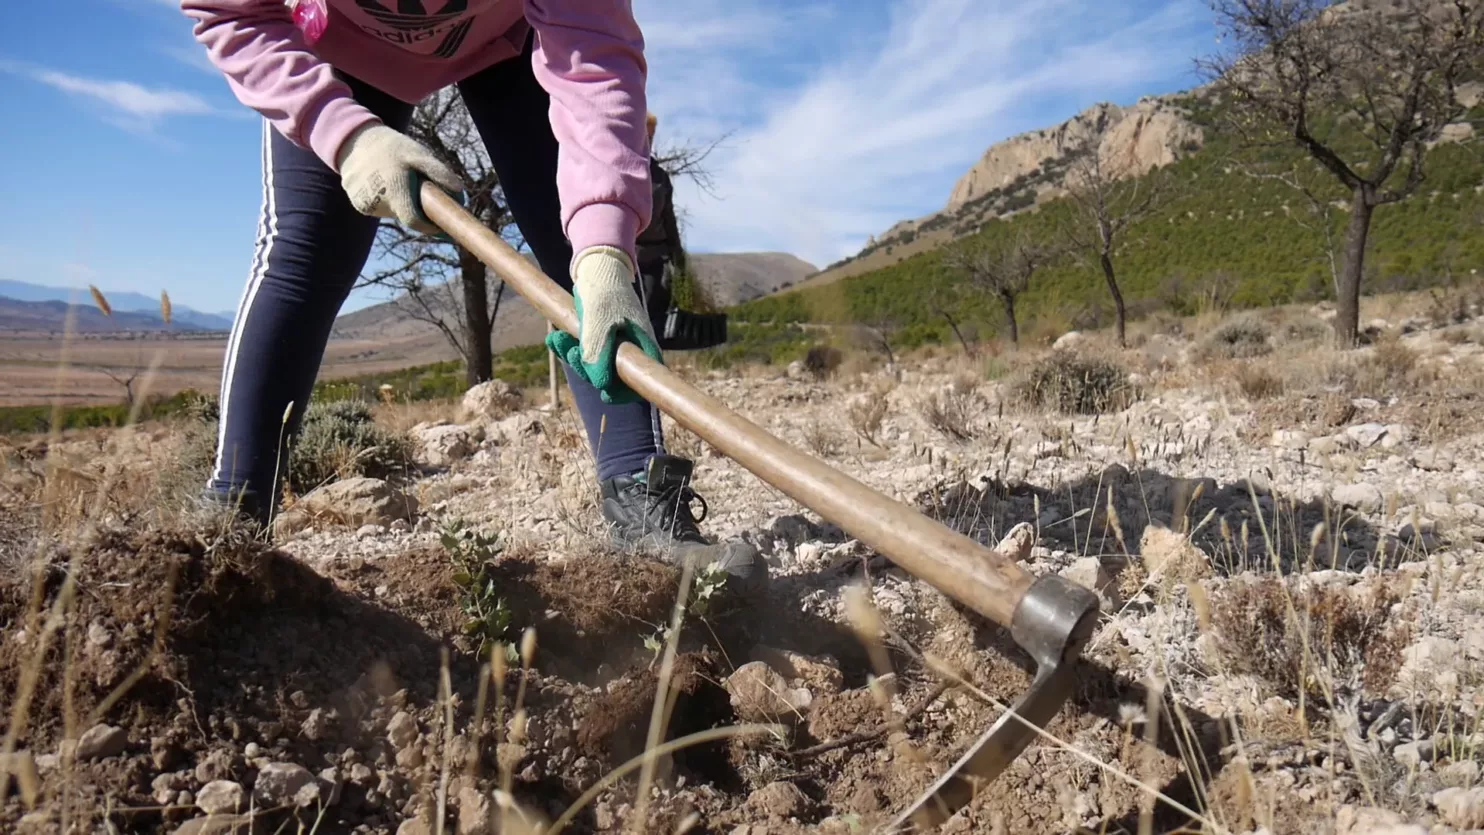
{"x": 1317, "y": 217}
{"x": 947, "y": 302}
{"x": 442, "y": 283}
{"x": 999, "y": 266}
{"x": 1107, "y": 198}
{"x": 688, "y": 159}
{"x": 876, "y": 331}
{"x": 1364, "y": 90}
{"x": 445, "y": 285}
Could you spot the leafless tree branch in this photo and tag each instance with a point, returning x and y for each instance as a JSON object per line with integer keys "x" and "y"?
{"x": 1364, "y": 90}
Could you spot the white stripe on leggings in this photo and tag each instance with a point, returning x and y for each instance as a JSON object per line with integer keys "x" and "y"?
{"x": 656, "y": 427}
{"x": 262, "y": 248}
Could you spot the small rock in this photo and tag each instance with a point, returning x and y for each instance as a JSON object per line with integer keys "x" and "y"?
{"x": 517, "y": 426}
{"x": 163, "y": 754}
{"x": 1172, "y": 555}
{"x": 1370, "y": 820}
{"x": 1290, "y": 439}
{"x": 793, "y": 529}
{"x": 1462, "y": 774}
{"x": 220, "y": 797}
{"x": 101, "y": 742}
{"x": 1366, "y": 435}
{"x": 1461, "y": 808}
{"x": 319, "y": 725}
{"x": 217, "y": 825}
{"x": 216, "y": 765}
{"x": 440, "y": 446}
{"x": 402, "y": 730}
{"x": 164, "y": 787}
{"x": 98, "y": 636}
{"x": 1366, "y": 498}
{"x": 779, "y": 799}
{"x": 308, "y": 795}
{"x": 1069, "y": 341}
{"x": 1433, "y": 459}
{"x": 1089, "y": 573}
{"x": 279, "y": 784}
{"x": 410, "y": 758}
{"x": 821, "y": 674}
{"x": 760, "y": 694}
{"x": 475, "y": 812}
{"x": 352, "y": 502}
{"x": 1321, "y": 447}
{"x": 489, "y": 401}
{"x": 415, "y": 826}
{"x": 1412, "y": 754}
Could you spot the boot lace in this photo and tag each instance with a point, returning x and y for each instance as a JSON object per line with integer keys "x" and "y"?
{"x": 672, "y": 509}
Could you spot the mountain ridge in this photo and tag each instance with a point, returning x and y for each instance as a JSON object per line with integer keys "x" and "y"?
{"x": 120, "y": 301}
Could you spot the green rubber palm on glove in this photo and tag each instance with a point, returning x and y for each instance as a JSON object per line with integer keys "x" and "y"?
{"x": 608, "y": 314}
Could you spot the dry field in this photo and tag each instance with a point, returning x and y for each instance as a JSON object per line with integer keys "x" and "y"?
{"x": 1289, "y": 542}
{"x": 32, "y": 370}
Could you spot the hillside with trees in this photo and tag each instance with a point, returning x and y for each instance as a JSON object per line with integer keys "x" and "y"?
{"x": 1311, "y": 109}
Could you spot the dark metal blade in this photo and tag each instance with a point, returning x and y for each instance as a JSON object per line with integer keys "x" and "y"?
{"x": 995, "y": 750}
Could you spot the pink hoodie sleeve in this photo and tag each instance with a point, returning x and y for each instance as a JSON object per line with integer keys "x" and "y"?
{"x": 589, "y": 57}
{"x": 271, "y": 69}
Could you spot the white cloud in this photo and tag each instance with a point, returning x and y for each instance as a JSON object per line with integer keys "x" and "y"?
{"x": 848, "y": 116}
{"x": 124, "y": 103}
{"x": 192, "y": 55}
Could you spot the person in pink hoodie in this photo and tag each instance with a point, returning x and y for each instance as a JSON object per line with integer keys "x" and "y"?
{"x": 556, "y": 89}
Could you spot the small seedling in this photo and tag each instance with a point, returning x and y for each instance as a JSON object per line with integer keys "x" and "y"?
{"x": 487, "y": 617}
{"x": 709, "y": 582}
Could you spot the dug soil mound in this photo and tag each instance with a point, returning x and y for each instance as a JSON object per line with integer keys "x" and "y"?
{"x": 160, "y": 677}
{"x": 196, "y": 662}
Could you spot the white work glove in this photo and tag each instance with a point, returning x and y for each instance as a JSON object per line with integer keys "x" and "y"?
{"x": 608, "y": 313}
{"x": 382, "y": 169}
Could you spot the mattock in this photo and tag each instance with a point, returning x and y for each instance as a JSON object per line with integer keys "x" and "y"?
{"x": 1050, "y": 617}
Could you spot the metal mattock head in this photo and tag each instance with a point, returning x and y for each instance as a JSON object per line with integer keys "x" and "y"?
{"x": 1052, "y": 623}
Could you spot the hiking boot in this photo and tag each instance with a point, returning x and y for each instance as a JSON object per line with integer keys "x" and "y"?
{"x": 652, "y": 512}
{"x": 212, "y": 510}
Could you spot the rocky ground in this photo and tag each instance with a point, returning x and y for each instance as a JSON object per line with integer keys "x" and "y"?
{"x": 1287, "y": 541}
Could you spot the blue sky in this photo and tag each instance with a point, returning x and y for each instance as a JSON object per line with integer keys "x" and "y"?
{"x": 130, "y": 164}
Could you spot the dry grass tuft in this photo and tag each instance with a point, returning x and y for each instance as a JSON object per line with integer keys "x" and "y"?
{"x": 1240, "y": 338}
{"x": 951, "y": 412}
{"x": 1076, "y": 385}
{"x": 821, "y": 440}
{"x": 1257, "y": 382}
{"x": 1314, "y": 639}
{"x": 867, "y": 412}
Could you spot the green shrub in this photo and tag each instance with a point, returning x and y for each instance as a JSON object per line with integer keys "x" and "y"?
{"x": 822, "y": 360}
{"x": 1076, "y": 385}
{"x": 340, "y": 440}
{"x": 1306, "y": 329}
{"x": 1238, "y": 339}
{"x": 23, "y": 420}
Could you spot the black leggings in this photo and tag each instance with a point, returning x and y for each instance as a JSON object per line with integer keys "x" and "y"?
{"x": 311, "y": 246}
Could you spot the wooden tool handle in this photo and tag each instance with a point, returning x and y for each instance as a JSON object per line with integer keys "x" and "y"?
{"x": 972, "y": 574}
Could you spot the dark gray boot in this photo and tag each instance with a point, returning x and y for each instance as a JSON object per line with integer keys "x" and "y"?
{"x": 652, "y": 513}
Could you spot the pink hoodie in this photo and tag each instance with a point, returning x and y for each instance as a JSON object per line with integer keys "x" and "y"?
{"x": 589, "y": 56}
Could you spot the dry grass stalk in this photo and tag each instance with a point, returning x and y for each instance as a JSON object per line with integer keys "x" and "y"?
{"x": 100, "y": 300}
